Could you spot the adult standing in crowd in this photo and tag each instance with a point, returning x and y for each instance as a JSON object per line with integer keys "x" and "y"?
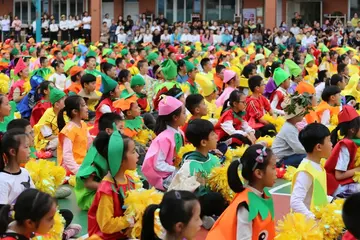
{"x": 5, "y": 27}
{"x": 16, "y": 25}
{"x": 54, "y": 29}
{"x": 71, "y": 24}
{"x": 77, "y": 27}
{"x": 86, "y": 21}
{"x": 107, "y": 20}
{"x": 64, "y": 28}
{"x": 45, "y": 26}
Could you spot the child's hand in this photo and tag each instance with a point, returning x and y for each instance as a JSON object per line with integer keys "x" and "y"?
{"x": 252, "y": 138}
{"x": 217, "y": 153}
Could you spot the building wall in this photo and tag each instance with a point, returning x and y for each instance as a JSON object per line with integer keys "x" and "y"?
{"x": 118, "y": 8}
{"x": 6, "y": 6}
{"x": 253, "y": 3}
{"x": 330, "y": 6}
{"x": 147, "y": 6}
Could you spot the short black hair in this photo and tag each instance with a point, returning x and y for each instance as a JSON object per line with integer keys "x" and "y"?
{"x": 107, "y": 67}
{"x": 141, "y": 63}
{"x": 341, "y": 67}
{"x": 313, "y": 134}
{"x": 87, "y": 58}
{"x": 334, "y": 80}
{"x": 107, "y": 120}
{"x": 197, "y": 130}
{"x": 351, "y": 213}
{"x": 329, "y": 91}
{"x": 193, "y": 101}
{"x": 20, "y": 123}
{"x": 219, "y": 68}
{"x": 56, "y": 52}
{"x": 118, "y": 61}
{"x": 204, "y": 61}
{"x": 248, "y": 69}
{"x": 87, "y": 78}
{"x": 42, "y": 60}
{"x": 255, "y": 81}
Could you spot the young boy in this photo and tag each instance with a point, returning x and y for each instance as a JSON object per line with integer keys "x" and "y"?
{"x": 350, "y": 215}
{"x": 282, "y": 81}
{"x": 219, "y": 77}
{"x": 191, "y": 73}
{"x": 24, "y": 124}
{"x": 137, "y": 84}
{"x": 88, "y": 92}
{"x": 76, "y": 73}
{"x": 197, "y": 165}
{"x": 143, "y": 67}
{"x": 195, "y": 104}
{"x": 94, "y": 167}
{"x": 46, "y": 130}
{"x": 90, "y": 62}
{"x": 256, "y": 106}
{"x": 330, "y": 104}
{"x": 309, "y": 182}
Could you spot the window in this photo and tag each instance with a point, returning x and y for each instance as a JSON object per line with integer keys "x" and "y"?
{"x": 170, "y": 10}
{"x": 354, "y": 8}
{"x": 227, "y": 10}
{"x": 180, "y": 10}
{"x": 66, "y": 7}
{"x": 212, "y": 10}
{"x": 21, "y": 9}
{"x": 160, "y": 7}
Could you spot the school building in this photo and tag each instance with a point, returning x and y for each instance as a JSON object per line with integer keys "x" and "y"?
{"x": 269, "y": 12}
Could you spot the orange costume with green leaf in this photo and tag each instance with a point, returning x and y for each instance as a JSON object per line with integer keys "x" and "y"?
{"x": 334, "y": 110}
{"x": 261, "y": 214}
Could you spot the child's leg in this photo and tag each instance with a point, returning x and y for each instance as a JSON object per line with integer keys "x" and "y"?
{"x": 293, "y": 160}
{"x": 268, "y": 130}
{"x": 212, "y": 203}
{"x": 237, "y": 140}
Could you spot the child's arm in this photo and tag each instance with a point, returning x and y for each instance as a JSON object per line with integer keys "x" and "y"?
{"x": 161, "y": 164}
{"x": 105, "y": 217}
{"x": 325, "y": 117}
{"x": 244, "y": 227}
{"x": 341, "y": 169}
{"x": 274, "y": 104}
{"x": 68, "y": 157}
{"x": 302, "y": 186}
{"x": 90, "y": 183}
{"x": 47, "y": 133}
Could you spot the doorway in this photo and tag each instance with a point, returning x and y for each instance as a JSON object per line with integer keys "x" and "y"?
{"x": 131, "y": 8}
{"x": 309, "y": 11}
{"x": 107, "y": 7}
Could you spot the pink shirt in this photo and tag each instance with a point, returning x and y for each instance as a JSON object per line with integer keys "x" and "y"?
{"x": 17, "y": 25}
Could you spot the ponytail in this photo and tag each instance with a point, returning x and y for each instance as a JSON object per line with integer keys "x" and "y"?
{"x": 60, "y": 119}
{"x": 163, "y": 121}
{"x": 71, "y": 103}
{"x": 225, "y": 106}
{"x": 234, "y": 180}
{"x": 334, "y": 135}
{"x": 148, "y": 223}
{"x": 4, "y": 218}
{"x": 234, "y": 97}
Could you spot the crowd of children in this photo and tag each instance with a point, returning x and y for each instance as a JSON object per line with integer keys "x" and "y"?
{"x": 102, "y": 112}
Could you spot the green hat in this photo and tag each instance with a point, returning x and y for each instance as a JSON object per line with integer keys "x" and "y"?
{"x": 152, "y": 56}
{"x": 14, "y": 52}
{"x": 267, "y": 51}
{"x": 308, "y": 59}
{"x": 280, "y": 76}
{"x": 64, "y": 53}
{"x": 324, "y": 49}
{"x": 68, "y": 64}
{"x": 147, "y": 48}
{"x": 115, "y": 151}
{"x": 31, "y": 50}
{"x": 91, "y": 53}
{"x": 294, "y": 69}
{"x": 137, "y": 80}
{"x": 108, "y": 83}
{"x": 23, "y": 48}
{"x": 106, "y": 51}
{"x": 124, "y": 52}
{"x": 111, "y": 61}
{"x": 169, "y": 69}
{"x": 189, "y": 66}
{"x": 282, "y": 48}
{"x": 55, "y": 95}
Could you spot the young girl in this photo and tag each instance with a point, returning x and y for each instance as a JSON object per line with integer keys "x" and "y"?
{"x": 7, "y": 110}
{"x": 340, "y": 167}
{"x": 231, "y": 81}
{"x": 105, "y": 216}
{"x": 232, "y": 126}
{"x": 124, "y": 79}
{"x": 282, "y": 81}
{"x": 19, "y": 89}
{"x": 59, "y": 78}
{"x": 34, "y": 212}
{"x": 111, "y": 91}
{"x": 43, "y": 103}
{"x": 158, "y": 166}
{"x": 179, "y": 215}
{"x": 74, "y": 138}
{"x": 242, "y": 219}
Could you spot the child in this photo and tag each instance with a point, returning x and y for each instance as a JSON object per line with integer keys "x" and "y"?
{"x": 231, "y": 82}
{"x": 158, "y": 166}
{"x": 88, "y": 92}
{"x": 124, "y": 79}
{"x": 195, "y": 104}
{"x": 110, "y": 93}
{"x": 340, "y": 166}
{"x": 94, "y": 167}
{"x": 309, "y": 182}
{"x": 241, "y": 220}
{"x": 200, "y": 133}
{"x": 210, "y": 94}
{"x": 105, "y": 216}
{"x": 75, "y": 75}
{"x": 219, "y": 77}
{"x": 74, "y": 137}
{"x": 43, "y": 104}
{"x": 282, "y": 81}
{"x": 46, "y": 130}
{"x": 256, "y": 106}
{"x": 311, "y": 68}
{"x": 35, "y": 212}
{"x": 59, "y": 78}
{"x": 352, "y": 91}
{"x": 232, "y": 126}
{"x": 137, "y": 84}
{"x": 286, "y": 146}
{"x": 350, "y": 214}
{"x": 329, "y": 105}
{"x": 7, "y": 110}
{"x": 177, "y": 208}
{"x": 18, "y": 89}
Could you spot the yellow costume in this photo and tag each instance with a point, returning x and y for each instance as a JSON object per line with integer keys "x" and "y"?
{"x": 353, "y": 69}
{"x": 351, "y": 88}
{"x": 313, "y": 72}
{"x": 49, "y": 119}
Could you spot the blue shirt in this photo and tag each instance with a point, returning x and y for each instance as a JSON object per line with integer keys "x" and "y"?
{"x": 182, "y": 79}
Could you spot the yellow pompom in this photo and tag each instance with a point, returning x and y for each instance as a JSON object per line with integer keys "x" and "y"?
{"x": 356, "y": 177}
{"x": 135, "y": 177}
{"x": 357, "y": 158}
{"x": 56, "y": 231}
{"x": 4, "y": 83}
{"x": 72, "y": 180}
{"x": 239, "y": 151}
{"x": 144, "y": 136}
{"x": 218, "y": 112}
{"x": 278, "y": 121}
{"x": 290, "y": 172}
{"x": 334, "y": 120}
{"x": 183, "y": 150}
{"x": 185, "y": 88}
{"x": 297, "y": 226}
{"x": 136, "y": 201}
{"x": 267, "y": 139}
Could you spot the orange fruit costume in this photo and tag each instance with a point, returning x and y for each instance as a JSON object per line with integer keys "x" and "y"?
{"x": 261, "y": 214}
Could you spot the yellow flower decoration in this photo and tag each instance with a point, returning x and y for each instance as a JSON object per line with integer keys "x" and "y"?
{"x": 144, "y": 136}
{"x": 290, "y": 172}
{"x": 56, "y": 231}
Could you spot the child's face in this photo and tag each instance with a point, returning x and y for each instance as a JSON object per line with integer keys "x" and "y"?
{"x": 336, "y": 99}
{"x": 269, "y": 176}
{"x": 286, "y": 84}
{"x": 91, "y": 86}
{"x": 132, "y": 156}
{"x": 5, "y": 107}
{"x": 261, "y": 88}
{"x": 25, "y": 73}
{"x": 120, "y": 126}
{"x": 181, "y": 119}
{"x": 192, "y": 228}
{"x": 211, "y": 142}
{"x": 23, "y": 152}
{"x": 60, "y": 104}
{"x": 128, "y": 79}
{"x": 112, "y": 73}
{"x": 47, "y": 222}
{"x": 135, "y": 110}
{"x": 30, "y": 133}
{"x": 325, "y": 148}
{"x": 138, "y": 88}
{"x": 60, "y": 69}
{"x": 116, "y": 92}
{"x": 84, "y": 111}
{"x": 241, "y": 105}
{"x": 201, "y": 110}
{"x": 341, "y": 84}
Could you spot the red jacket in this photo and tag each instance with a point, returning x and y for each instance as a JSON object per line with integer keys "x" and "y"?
{"x": 227, "y": 116}
{"x": 255, "y": 110}
{"x": 95, "y": 130}
{"x": 281, "y": 97}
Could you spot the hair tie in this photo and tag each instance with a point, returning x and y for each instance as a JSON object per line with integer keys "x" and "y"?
{"x": 260, "y": 158}
{"x": 177, "y": 195}
{"x": 178, "y": 95}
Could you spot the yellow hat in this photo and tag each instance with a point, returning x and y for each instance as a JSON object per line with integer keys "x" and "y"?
{"x": 186, "y": 49}
{"x": 356, "y": 58}
{"x": 198, "y": 46}
{"x": 134, "y": 70}
{"x": 240, "y": 52}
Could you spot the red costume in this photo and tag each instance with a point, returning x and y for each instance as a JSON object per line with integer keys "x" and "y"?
{"x": 280, "y": 96}
{"x": 229, "y": 115}
{"x": 95, "y": 130}
{"x": 38, "y": 111}
{"x": 255, "y": 110}
{"x": 18, "y": 84}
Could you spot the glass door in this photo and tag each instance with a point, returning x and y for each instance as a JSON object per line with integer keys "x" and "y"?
{"x": 180, "y": 10}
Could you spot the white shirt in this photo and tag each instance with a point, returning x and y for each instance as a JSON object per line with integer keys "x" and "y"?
{"x": 34, "y": 26}
{"x": 71, "y": 24}
{"x": 148, "y": 38}
{"x": 216, "y": 39}
{"x": 5, "y": 25}
{"x": 11, "y": 185}
{"x": 153, "y": 28}
{"x": 275, "y": 102}
{"x": 121, "y": 38}
{"x": 295, "y": 30}
{"x": 228, "y": 127}
{"x": 301, "y": 195}
{"x": 307, "y": 41}
{"x": 54, "y": 27}
{"x": 60, "y": 81}
{"x": 165, "y": 38}
{"x": 63, "y": 25}
{"x": 186, "y": 38}
{"x": 76, "y": 24}
{"x": 108, "y": 22}
{"x": 86, "y": 23}
{"x": 45, "y": 24}
{"x": 195, "y": 38}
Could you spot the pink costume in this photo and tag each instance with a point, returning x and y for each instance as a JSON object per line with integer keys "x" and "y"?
{"x": 228, "y": 76}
